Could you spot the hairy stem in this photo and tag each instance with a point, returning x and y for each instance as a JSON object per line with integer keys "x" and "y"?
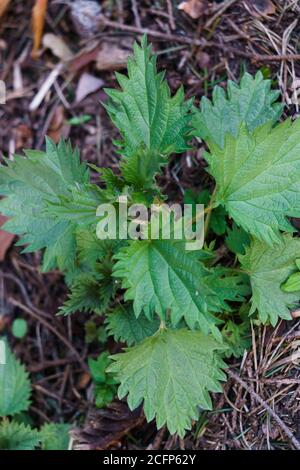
{"x": 208, "y": 211}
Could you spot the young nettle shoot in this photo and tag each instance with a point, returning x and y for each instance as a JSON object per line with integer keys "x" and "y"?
{"x": 181, "y": 312}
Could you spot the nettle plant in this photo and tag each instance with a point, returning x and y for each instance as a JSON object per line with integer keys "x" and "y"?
{"x": 16, "y": 432}
{"x": 179, "y": 312}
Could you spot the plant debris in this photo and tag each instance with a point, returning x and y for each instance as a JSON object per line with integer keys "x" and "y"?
{"x": 193, "y": 8}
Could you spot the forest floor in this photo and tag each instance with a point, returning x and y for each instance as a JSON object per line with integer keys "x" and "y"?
{"x": 200, "y": 47}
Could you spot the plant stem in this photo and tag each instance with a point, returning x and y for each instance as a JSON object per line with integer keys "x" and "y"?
{"x": 208, "y": 210}
{"x": 239, "y": 271}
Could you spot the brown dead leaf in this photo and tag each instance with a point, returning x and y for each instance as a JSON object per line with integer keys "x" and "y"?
{"x": 58, "y": 127}
{"x": 87, "y": 84}
{"x": 107, "y": 55}
{"x": 203, "y": 59}
{"x": 38, "y": 22}
{"x": 57, "y": 46}
{"x": 111, "y": 57}
{"x": 3, "y": 6}
{"x": 85, "y": 15}
{"x": 83, "y": 380}
{"x": 4, "y": 321}
{"x": 6, "y": 238}
{"x": 106, "y": 427}
{"x": 23, "y": 136}
{"x": 261, "y": 7}
{"x": 84, "y": 57}
{"x": 193, "y": 8}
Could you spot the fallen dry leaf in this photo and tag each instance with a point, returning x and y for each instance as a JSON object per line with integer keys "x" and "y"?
{"x": 38, "y": 22}
{"x": 6, "y": 238}
{"x": 193, "y": 8}
{"x": 58, "y": 127}
{"x": 261, "y": 7}
{"x": 83, "y": 380}
{"x": 106, "y": 427}
{"x": 108, "y": 56}
{"x": 57, "y": 46}
{"x": 87, "y": 84}
{"x": 84, "y": 57}
{"x": 111, "y": 57}
{"x": 3, "y": 6}
{"x": 203, "y": 59}
{"x": 23, "y": 136}
{"x": 4, "y": 320}
{"x": 85, "y": 15}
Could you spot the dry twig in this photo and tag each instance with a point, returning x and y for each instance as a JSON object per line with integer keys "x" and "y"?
{"x": 278, "y": 420}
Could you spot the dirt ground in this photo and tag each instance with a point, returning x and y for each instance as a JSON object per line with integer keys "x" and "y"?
{"x": 206, "y": 44}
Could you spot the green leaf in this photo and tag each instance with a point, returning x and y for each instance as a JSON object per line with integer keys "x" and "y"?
{"x": 192, "y": 197}
{"x": 218, "y": 215}
{"x": 172, "y": 372}
{"x": 55, "y": 436}
{"x": 258, "y": 180}
{"x": 252, "y": 102}
{"x": 161, "y": 276}
{"x": 144, "y": 111}
{"x": 292, "y": 284}
{"x": 237, "y": 337}
{"x": 98, "y": 367}
{"x": 105, "y": 383}
{"x": 268, "y": 268}
{"x": 84, "y": 295}
{"x": 80, "y": 206}
{"x": 92, "y": 286}
{"x": 237, "y": 239}
{"x": 91, "y": 292}
{"x": 141, "y": 167}
{"x": 91, "y": 249}
{"x": 104, "y": 395}
{"x": 123, "y": 325}
{"x": 218, "y": 220}
{"x": 79, "y": 120}
{"x": 30, "y": 185}
{"x": 94, "y": 332}
{"x": 17, "y": 436}
{"x": 14, "y": 385}
{"x": 19, "y": 328}
{"x": 114, "y": 184}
